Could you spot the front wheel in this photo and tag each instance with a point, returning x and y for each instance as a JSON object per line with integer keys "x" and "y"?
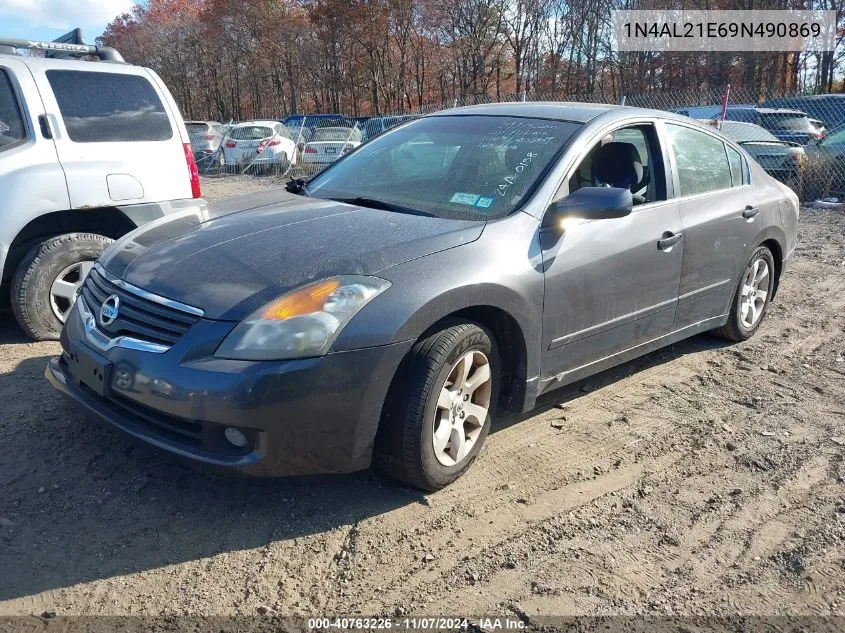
{"x": 48, "y": 281}
{"x": 752, "y": 298}
{"x": 437, "y": 415}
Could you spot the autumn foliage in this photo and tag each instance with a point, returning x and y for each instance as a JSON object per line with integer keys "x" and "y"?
{"x": 226, "y": 59}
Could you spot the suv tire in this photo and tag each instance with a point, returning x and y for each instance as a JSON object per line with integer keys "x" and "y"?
{"x": 406, "y": 447}
{"x": 34, "y": 277}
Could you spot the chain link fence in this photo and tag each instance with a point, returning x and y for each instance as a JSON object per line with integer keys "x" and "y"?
{"x": 798, "y": 139}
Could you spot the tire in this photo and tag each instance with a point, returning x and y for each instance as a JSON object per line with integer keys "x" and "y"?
{"x": 405, "y": 446}
{"x": 32, "y": 283}
{"x": 284, "y": 166}
{"x": 741, "y": 326}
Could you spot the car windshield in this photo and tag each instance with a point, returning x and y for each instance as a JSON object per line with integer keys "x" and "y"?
{"x": 251, "y": 133}
{"x": 458, "y": 166}
{"x": 336, "y": 134}
{"x": 787, "y": 122}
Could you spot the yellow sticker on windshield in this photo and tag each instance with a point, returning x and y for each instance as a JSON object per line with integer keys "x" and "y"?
{"x": 464, "y": 198}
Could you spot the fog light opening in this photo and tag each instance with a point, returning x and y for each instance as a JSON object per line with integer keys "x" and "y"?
{"x": 235, "y": 437}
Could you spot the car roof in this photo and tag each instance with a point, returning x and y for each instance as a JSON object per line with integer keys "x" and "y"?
{"x": 561, "y": 111}
{"x": 266, "y": 122}
{"x": 575, "y": 112}
{"x": 69, "y": 64}
{"x": 780, "y": 111}
{"x": 742, "y": 132}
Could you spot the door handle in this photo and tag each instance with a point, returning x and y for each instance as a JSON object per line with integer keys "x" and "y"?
{"x": 44, "y": 124}
{"x": 668, "y": 240}
{"x": 749, "y": 212}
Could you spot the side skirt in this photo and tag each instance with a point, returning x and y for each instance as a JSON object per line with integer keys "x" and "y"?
{"x": 573, "y": 375}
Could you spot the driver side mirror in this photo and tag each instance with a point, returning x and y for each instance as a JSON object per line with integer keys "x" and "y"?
{"x": 590, "y": 203}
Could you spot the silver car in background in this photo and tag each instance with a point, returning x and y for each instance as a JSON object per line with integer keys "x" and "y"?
{"x": 206, "y": 137}
{"x": 327, "y": 144}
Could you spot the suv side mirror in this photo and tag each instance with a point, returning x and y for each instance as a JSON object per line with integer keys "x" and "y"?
{"x": 591, "y": 203}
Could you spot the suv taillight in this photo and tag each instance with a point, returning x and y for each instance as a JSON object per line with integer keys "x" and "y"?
{"x": 192, "y": 169}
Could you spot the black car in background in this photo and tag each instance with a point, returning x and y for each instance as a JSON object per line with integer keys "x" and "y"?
{"x": 781, "y": 159}
{"x": 830, "y": 109}
{"x": 793, "y": 126}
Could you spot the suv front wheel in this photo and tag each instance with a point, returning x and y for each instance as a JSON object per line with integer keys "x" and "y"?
{"x": 48, "y": 280}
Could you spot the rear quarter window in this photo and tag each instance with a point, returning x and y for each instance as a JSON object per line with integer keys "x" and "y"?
{"x": 12, "y": 127}
{"x": 99, "y": 107}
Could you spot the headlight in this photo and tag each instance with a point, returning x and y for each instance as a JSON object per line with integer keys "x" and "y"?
{"x": 302, "y": 323}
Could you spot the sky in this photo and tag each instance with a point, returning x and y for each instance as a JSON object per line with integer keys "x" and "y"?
{"x": 48, "y": 19}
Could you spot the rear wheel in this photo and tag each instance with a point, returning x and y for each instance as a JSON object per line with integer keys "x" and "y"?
{"x": 48, "y": 280}
{"x": 752, "y": 298}
{"x": 437, "y": 415}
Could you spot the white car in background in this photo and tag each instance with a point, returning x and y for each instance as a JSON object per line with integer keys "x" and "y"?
{"x": 327, "y": 144}
{"x": 260, "y": 145}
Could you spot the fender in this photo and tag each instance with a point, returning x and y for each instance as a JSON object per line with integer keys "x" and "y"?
{"x": 420, "y": 296}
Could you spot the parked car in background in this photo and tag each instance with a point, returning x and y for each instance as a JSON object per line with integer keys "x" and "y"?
{"x": 312, "y": 120}
{"x": 206, "y": 138}
{"x": 391, "y": 312}
{"x": 780, "y": 159}
{"x": 376, "y": 125}
{"x": 787, "y": 125}
{"x": 89, "y": 151}
{"x": 327, "y": 144}
{"x": 819, "y": 127}
{"x": 825, "y": 173}
{"x": 829, "y": 108}
{"x": 260, "y": 146}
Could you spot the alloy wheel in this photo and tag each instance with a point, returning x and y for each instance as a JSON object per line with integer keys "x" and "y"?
{"x": 66, "y": 287}
{"x": 755, "y": 292}
{"x": 462, "y": 407}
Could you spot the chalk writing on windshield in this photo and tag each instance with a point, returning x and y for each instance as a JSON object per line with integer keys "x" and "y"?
{"x": 512, "y": 177}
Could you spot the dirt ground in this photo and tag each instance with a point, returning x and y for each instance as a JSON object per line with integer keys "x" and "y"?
{"x": 705, "y": 479}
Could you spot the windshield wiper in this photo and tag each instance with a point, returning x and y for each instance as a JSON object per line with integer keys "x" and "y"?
{"x": 298, "y": 186}
{"x": 372, "y": 203}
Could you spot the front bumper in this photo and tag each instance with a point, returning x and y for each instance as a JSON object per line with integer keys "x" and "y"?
{"x": 317, "y": 415}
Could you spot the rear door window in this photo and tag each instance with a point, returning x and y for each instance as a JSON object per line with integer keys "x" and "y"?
{"x": 100, "y": 107}
{"x": 700, "y": 160}
{"x": 12, "y": 127}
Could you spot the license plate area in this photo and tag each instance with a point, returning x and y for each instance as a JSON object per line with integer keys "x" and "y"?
{"x": 90, "y": 369}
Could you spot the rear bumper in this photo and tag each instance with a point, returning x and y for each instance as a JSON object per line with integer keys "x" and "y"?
{"x": 316, "y": 415}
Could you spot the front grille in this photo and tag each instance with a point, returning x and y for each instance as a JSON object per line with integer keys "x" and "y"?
{"x": 138, "y": 317}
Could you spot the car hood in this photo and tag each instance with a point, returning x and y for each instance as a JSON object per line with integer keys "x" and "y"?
{"x": 258, "y": 247}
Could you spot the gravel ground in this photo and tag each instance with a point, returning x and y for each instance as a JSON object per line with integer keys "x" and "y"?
{"x": 705, "y": 479}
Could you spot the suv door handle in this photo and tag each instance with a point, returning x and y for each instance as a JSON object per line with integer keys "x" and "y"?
{"x": 44, "y": 124}
{"x": 668, "y": 240}
{"x": 749, "y": 212}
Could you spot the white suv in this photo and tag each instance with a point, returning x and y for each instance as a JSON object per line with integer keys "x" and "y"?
{"x": 89, "y": 150}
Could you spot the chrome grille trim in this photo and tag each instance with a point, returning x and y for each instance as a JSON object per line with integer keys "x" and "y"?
{"x": 149, "y": 296}
{"x": 102, "y": 342}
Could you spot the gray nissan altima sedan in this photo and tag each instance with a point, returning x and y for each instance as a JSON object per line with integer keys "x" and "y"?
{"x": 455, "y": 267}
